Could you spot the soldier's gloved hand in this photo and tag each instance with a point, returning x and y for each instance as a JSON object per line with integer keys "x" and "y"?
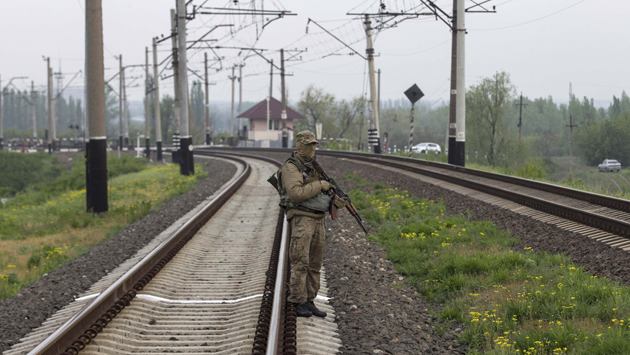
{"x": 341, "y": 202}
{"x": 326, "y": 185}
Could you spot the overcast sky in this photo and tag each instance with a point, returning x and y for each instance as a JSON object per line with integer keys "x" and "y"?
{"x": 543, "y": 44}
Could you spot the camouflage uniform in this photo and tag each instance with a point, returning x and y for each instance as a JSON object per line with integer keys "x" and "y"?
{"x": 308, "y": 239}
{"x": 306, "y": 253}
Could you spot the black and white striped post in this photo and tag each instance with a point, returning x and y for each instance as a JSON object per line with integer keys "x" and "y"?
{"x": 413, "y": 106}
{"x": 413, "y": 94}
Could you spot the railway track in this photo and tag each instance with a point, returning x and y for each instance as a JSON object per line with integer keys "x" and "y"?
{"x": 215, "y": 296}
{"x": 214, "y": 284}
{"x": 600, "y": 217}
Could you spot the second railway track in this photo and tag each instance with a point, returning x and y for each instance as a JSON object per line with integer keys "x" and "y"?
{"x": 604, "y": 215}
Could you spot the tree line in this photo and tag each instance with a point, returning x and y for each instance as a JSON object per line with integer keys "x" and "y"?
{"x": 17, "y": 110}
{"x": 491, "y": 110}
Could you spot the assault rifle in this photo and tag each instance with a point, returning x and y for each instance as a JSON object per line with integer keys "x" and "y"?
{"x": 338, "y": 193}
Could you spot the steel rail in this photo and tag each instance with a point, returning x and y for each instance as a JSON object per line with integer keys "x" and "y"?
{"x": 609, "y": 224}
{"x": 271, "y": 324}
{"x": 79, "y": 330}
{"x": 278, "y": 299}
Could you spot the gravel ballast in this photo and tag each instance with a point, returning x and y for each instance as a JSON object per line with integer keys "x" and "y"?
{"x": 359, "y": 274}
{"x": 38, "y": 301}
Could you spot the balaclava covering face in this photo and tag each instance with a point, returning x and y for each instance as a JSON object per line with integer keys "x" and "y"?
{"x": 306, "y": 151}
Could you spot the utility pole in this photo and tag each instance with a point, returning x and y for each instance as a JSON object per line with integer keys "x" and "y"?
{"x": 271, "y": 79}
{"x": 191, "y": 114}
{"x": 53, "y": 109}
{"x": 457, "y": 112}
{"x": 283, "y": 115}
{"x": 233, "y": 77}
{"x": 520, "y": 116}
{"x": 240, "y": 97}
{"x": 126, "y": 112}
{"x": 158, "y": 118}
{"x": 176, "y": 102}
{"x": 460, "y": 114}
{"x": 379, "y": 92}
{"x": 50, "y": 107}
{"x": 97, "y": 154}
{"x": 121, "y": 74}
{"x": 571, "y": 125}
{"x": 207, "y": 108}
{"x": 452, "y": 113}
{"x": 186, "y": 159}
{"x": 33, "y": 109}
{"x": 373, "y": 135}
{"x": 147, "y": 107}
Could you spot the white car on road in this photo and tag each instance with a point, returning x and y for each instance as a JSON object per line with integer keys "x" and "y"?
{"x": 609, "y": 165}
{"x": 425, "y": 148}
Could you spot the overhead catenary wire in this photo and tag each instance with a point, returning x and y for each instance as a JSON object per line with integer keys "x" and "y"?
{"x": 530, "y": 21}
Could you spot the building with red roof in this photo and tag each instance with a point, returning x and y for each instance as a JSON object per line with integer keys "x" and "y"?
{"x": 265, "y": 123}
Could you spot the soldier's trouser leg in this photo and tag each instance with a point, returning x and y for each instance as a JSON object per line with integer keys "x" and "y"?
{"x": 303, "y": 232}
{"x": 315, "y": 259}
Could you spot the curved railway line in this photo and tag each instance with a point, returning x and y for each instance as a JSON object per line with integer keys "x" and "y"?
{"x": 216, "y": 283}
{"x": 597, "y": 216}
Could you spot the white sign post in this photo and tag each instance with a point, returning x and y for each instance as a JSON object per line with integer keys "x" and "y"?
{"x": 318, "y": 130}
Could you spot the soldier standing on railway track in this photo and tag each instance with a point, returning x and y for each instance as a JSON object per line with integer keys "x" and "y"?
{"x": 302, "y": 197}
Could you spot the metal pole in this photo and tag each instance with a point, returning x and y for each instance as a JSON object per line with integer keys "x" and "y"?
{"x": 232, "y": 111}
{"x": 271, "y": 79}
{"x": 53, "y": 110}
{"x": 373, "y": 137}
{"x": 126, "y": 112}
{"x": 520, "y": 118}
{"x": 207, "y": 108}
{"x": 120, "y": 103}
{"x": 240, "y": 97}
{"x": 379, "y": 92}
{"x": 147, "y": 107}
{"x": 268, "y": 113}
{"x": 571, "y": 143}
{"x": 85, "y": 118}
{"x": 191, "y": 114}
{"x": 176, "y": 110}
{"x": 33, "y": 107}
{"x": 50, "y": 108}
{"x": 97, "y": 153}
{"x": 186, "y": 162}
{"x": 460, "y": 139}
{"x": 283, "y": 115}
{"x": 158, "y": 118}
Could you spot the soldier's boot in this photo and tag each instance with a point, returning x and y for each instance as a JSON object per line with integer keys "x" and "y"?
{"x": 316, "y": 312}
{"x": 301, "y": 310}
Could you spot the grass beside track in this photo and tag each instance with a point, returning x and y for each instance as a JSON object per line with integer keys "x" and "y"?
{"x": 510, "y": 298}
{"x": 44, "y": 227}
{"x": 18, "y": 171}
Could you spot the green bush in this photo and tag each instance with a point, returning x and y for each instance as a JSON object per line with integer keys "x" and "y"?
{"x": 532, "y": 169}
{"x": 19, "y": 171}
